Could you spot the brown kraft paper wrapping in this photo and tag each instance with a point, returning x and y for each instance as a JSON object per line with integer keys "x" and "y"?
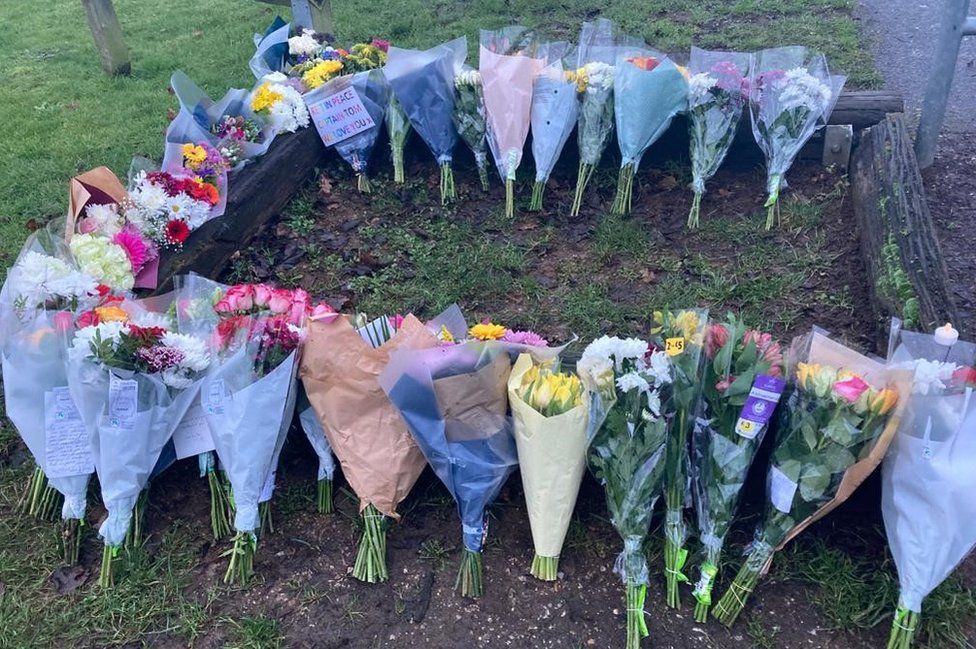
{"x": 828, "y": 352}
{"x": 474, "y": 405}
{"x": 99, "y": 185}
{"x": 339, "y": 370}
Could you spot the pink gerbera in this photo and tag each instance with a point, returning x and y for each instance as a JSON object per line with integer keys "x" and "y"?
{"x": 135, "y": 248}
{"x": 529, "y": 338}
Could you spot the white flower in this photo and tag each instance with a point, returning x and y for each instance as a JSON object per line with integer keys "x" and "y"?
{"x": 596, "y": 374}
{"x": 700, "y": 89}
{"x": 468, "y": 78}
{"x": 105, "y": 218}
{"x": 275, "y": 77}
{"x": 103, "y": 260}
{"x": 197, "y": 213}
{"x": 599, "y": 76}
{"x": 632, "y": 381}
{"x": 196, "y": 358}
{"x": 37, "y": 278}
{"x": 654, "y": 403}
{"x": 304, "y": 44}
{"x": 147, "y": 195}
{"x": 290, "y": 113}
{"x": 659, "y": 368}
{"x": 106, "y": 331}
{"x": 799, "y": 89}
{"x": 148, "y": 319}
{"x": 177, "y": 207}
{"x": 930, "y": 376}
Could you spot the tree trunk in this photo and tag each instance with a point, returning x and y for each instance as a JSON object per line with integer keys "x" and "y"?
{"x": 105, "y": 28}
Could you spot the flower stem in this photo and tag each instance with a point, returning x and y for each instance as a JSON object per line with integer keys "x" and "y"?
{"x": 703, "y": 589}
{"x": 133, "y": 537}
{"x": 545, "y": 568}
{"x": 582, "y": 178}
{"x": 734, "y": 600}
{"x": 468, "y": 582}
{"x": 398, "y": 177}
{"x": 636, "y": 625}
{"x": 674, "y": 559}
{"x": 509, "y": 198}
{"x": 483, "y": 174}
{"x": 903, "y": 628}
{"x": 363, "y": 183}
{"x": 325, "y": 496}
{"x": 267, "y": 522}
{"x": 106, "y": 576}
{"x": 694, "y": 213}
{"x": 72, "y": 530}
{"x": 370, "y": 563}
{"x": 219, "y": 507}
{"x": 241, "y": 565}
{"x": 625, "y": 186}
{"x": 448, "y": 193}
{"x": 537, "y": 190}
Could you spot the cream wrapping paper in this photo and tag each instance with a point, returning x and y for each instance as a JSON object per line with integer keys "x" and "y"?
{"x": 552, "y": 459}
{"x": 339, "y": 369}
{"x": 98, "y": 185}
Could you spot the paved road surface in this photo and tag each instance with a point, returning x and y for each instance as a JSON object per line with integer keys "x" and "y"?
{"x": 901, "y": 34}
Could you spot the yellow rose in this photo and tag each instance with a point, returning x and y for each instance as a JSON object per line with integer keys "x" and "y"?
{"x": 883, "y": 401}
{"x": 804, "y": 372}
{"x": 487, "y": 331}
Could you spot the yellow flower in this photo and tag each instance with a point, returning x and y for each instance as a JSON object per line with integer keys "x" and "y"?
{"x": 487, "y": 331}
{"x": 265, "y": 98}
{"x": 111, "y": 314}
{"x": 579, "y": 77}
{"x": 686, "y": 323}
{"x": 321, "y": 72}
{"x": 883, "y": 401}
{"x": 806, "y": 371}
{"x": 684, "y": 71}
{"x": 444, "y": 335}
{"x": 550, "y": 393}
{"x": 194, "y": 154}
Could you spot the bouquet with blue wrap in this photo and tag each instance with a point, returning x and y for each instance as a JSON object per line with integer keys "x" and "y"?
{"x": 423, "y": 84}
{"x": 648, "y": 91}
{"x": 455, "y": 403}
{"x": 373, "y": 91}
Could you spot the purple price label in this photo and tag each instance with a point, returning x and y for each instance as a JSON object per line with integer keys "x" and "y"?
{"x": 759, "y": 406}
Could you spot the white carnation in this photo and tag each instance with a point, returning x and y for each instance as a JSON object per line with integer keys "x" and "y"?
{"x": 105, "y": 217}
{"x": 800, "y": 89}
{"x": 105, "y": 331}
{"x": 632, "y": 381}
{"x": 304, "y": 44}
{"x": 700, "y": 89}
{"x": 196, "y": 357}
{"x": 37, "y": 278}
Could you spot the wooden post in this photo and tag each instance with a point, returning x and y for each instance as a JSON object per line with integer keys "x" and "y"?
{"x": 105, "y": 28}
{"x": 316, "y": 14}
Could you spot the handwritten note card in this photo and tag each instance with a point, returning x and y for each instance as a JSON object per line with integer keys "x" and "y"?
{"x": 340, "y": 116}
{"x": 192, "y": 436}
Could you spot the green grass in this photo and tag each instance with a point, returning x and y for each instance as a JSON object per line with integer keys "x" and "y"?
{"x": 62, "y": 115}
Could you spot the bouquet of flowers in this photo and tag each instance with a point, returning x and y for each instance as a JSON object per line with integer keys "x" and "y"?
{"x": 371, "y": 89}
{"x": 278, "y": 100}
{"x": 629, "y": 387}
{"x": 717, "y": 93}
{"x": 453, "y": 399}
{"x": 681, "y": 335}
{"x": 594, "y": 73}
{"x": 340, "y": 370}
{"x": 469, "y": 118}
{"x": 550, "y": 419}
{"x": 163, "y": 207}
{"x": 132, "y": 378}
{"x": 423, "y": 83}
{"x": 791, "y": 95}
{"x": 648, "y": 91}
{"x": 555, "y": 110}
{"x": 398, "y": 130}
{"x": 249, "y": 397}
{"x": 927, "y": 477}
{"x": 740, "y": 390}
{"x": 834, "y": 429}
{"x": 280, "y": 49}
{"x": 508, "y": 67}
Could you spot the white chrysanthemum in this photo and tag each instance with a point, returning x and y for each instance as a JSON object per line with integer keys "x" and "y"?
{"x": 37, "y": 278}
{"x": 148, "y": 196}
{"x": 304, "y": 44}
{"x": 151, "y": 319}
{"x": 619, "y": 349}
{"x": 468, "y": 78}
{"x": 632, "y": 381}
{"x": 659, "y": 368}
{"x": 196, "y": 358}
{"x": 105, "y": 217}
{"x": 800, "y": 89}
{"x": 700, "y": 88}
{"x": 930, "y": 376}
{"x": 290, "y": 113}
{"x": 103, "y": 260}
{"x": 654, "y": 403}
{"x": 599, "y": 76}
{"x": 105, "y": 331}
{"x": 196, "y": 213}
{"x": 275, "y": 77}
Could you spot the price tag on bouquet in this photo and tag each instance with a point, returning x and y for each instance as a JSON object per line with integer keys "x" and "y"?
{"x": 759, "y": 406}
{"x": 66, "y": 450}
{"x": 192, "y": 436}
{"x": 123, "y": 402}
{"x": 213, "y": 400}
{"x": 339, "y": 116}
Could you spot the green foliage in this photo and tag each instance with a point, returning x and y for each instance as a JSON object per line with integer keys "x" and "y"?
{"x": 258, "y": 632}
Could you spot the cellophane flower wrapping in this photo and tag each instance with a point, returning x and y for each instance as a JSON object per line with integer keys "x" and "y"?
{"x": 648, "y": 91}
{"x": 469, "y": 118}
{"x": 454, "y": 401}
{"x": 555, "y": 110}
{"x": 423, "y": 83}
{"x": 835, "y": 423}
{"x": 718, "y": 91}
{"x": 630, "y": 392}
{"x": 200, "y": 118}
{"x": 791, "y": 95}
{"x": 372, "y": 89}
{"x": 741, "y": 387}
{"x": 271, "y": 49}
{"x": 552, "y": 458}
{"x": 927, "y": 476}
{"x": 398, "y": 130}
{"x": 508, "y": 64}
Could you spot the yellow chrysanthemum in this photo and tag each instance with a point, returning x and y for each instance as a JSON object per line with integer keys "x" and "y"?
{"x": 194, "y": 154}
{"x": 321, "y": 72}
{"x": 444, "y": 335}
{"x": 487, "y": 331}
{"x": 265, "y": 98}
{"x": 111, "y": 314}
{"x": 687, "y": 323}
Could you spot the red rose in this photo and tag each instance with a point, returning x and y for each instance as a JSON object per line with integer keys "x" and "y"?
{"x": 964, "y": 376}
{"x": 177, "y": 231}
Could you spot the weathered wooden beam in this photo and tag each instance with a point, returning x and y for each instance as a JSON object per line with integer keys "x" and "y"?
{"x": 314, "y": 14}
{"x": 864, "y": 108}
{"x": 906, "y": 271}
{"x": 257, "y": 193}
{"x": 107, "y": 32}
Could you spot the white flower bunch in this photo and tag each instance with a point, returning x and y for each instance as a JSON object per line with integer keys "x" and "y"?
{"x": 104, "y": 219}
{"x": 81, "y": 344}
{"x": 700, "y": 89}
{"x": 37, "y": 279}
{"x": 195, "y": 359}
{"x": 930, "y": 376}
{"x": 797, "y": 88}
{"x": 599, "y": 76}
{"x": 470, "y": 78}
{"x": 610, "y": 363}
{"x": 290, "y": 112}
{"x": 304, "y": 44}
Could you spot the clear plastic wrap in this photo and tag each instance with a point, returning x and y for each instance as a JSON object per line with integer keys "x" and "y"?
{"x": 271, "y": 49}
{"x": 555, "y": 110}
{"x": 398, "y": 130}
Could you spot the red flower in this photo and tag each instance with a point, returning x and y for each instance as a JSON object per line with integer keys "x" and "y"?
{"x": 177, "y": 231}
{"x": 87, "y": 319}
{"x": 964, "y": 376}
{"x": 146, "y": 336}
{"x": 103, "y": 290}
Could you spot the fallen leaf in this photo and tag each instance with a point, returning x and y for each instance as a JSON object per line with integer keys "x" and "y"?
{"x": 68, "y": 578}
{"x": 197, "y": 33}
{"x": 325, "y": 186}
{"x": 724, "y": 193}
{"x": 647, "y": 275}
{"x": 667, "y": 183}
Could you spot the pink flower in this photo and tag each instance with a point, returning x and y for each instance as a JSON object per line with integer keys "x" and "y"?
{"x": 87, "y": 319}
{"x": 238, "y": 298}
{"x": 63, "y": 321}
{"x": 850, "y": 389}
{"x": 530, "y": 338}
{"x": 724, "y": 384}
{"x": 397, "y": 320}
{"x": 381, "y": 44}
{"x": 321, "y": 311}
{"x": 716, "y": 336}
{"x": 280, "y": 301}
{"x": 87, "y": 225}
{"x": 262, "y": 294}
{"x": 135, "y": 248}
{"x": 769, "y": 350}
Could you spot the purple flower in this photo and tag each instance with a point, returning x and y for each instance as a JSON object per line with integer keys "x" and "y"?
{"x": 530, "y": 338}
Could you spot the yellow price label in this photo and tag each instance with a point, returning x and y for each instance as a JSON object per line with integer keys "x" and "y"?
{"x": 674, "y": 346}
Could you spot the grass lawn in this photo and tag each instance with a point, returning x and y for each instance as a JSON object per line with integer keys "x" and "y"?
{"x": 62, "y": 115}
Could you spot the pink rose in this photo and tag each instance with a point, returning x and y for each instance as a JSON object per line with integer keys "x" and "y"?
{"x": 240, "y": 297}
{"x": 262, "y": 294}
{"x": 63, "y": 321}
{"x": 397, "y": 320}
{"x": 87, "y": 225}
{"x": 280, "y": 301}
{"x": 322, "y": 311}
{"x": 850, "y": 389}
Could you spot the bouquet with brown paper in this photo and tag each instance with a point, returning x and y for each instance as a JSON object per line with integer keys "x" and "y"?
{"x": 379, "y": 458}
{"x": 550, "y": 418}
